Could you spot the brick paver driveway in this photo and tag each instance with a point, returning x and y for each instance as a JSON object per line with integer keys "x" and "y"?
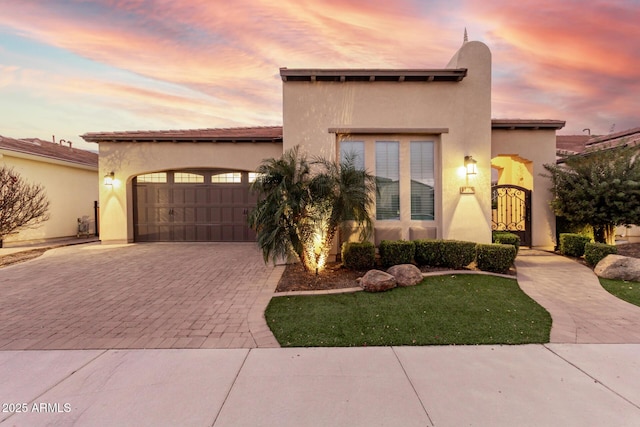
{"x": 177, "y": 295}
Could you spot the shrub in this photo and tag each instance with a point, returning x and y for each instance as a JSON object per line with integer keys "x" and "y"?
{"x": 394, "y": 252}
{"x": 358, "y": 256}
{"x": 594, "y": 252}
{"x": 572, "y": 244}
{"x": 496, "y": 257}
{"x": 565, "y": 226}
{"x": 445, "y": 253}
{"x": 457, "y": 254}
{"x": 429, "y": 252}
{"x": 507, "y": 238}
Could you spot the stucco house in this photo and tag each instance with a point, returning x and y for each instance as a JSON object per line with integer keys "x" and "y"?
{"x": 69, "y": 177}
{"x": 426, "y": 133}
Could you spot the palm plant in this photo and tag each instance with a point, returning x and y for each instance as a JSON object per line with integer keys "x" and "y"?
{"x": 280, "y": 217}
{"x": 345, "y": 193}
{"x": 299, "y": 213}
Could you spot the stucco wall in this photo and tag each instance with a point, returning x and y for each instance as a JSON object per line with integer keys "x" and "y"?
{"x": 128, "y": 160}
{"x": 71, "y": 190}
{"x": 464, "y": 108}
{"x": 538, "y": 147}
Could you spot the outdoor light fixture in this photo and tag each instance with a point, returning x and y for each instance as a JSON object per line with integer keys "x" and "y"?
{"x": 471, "y": 169}
{"x": 108, "y": 178}
{"x": 470, "y": 165}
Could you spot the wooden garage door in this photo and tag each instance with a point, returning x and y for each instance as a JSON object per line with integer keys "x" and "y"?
{"x": 192, "y": 206}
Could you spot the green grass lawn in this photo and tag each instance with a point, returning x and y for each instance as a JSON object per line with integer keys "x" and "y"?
{"x": 628, "y": 291}
{"x": 460, "y": 309}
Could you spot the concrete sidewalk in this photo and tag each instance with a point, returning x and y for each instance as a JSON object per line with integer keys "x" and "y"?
{"x": 533, "y": 385}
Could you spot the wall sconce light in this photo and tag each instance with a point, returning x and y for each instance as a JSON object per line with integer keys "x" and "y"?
{"x": 470, "y": 165}
{"x": 108, "y": 178}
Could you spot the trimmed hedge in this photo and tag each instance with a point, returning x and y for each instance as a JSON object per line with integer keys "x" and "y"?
{"x": 594, "y": 252}
{"x": 458, "y": 254}
{"x": 572, "y": 244}
{"x": 507, "y": 238}
{"x": 429, "y": 252}
{"x": 564, "y": 226}
{"x": 358, "y": 256}
{"x": 445, "y": 253}
{"x": 395, "y": 252}
{"x": 496, "y": 258}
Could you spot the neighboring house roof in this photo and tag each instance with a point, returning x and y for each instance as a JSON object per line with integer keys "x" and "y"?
{"x": 567, "y": 145}
{"x": 372, "y": 75}
{"x": 49, "y": 150}
{"x": 571, "y": 144}
{"x": 246, "y": 134}
{"x": 625, "y": 137}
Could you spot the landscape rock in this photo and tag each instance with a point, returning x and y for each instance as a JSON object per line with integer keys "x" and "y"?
{"x": 406, "y": 274}
{"x": 377, "y": 281}
{"x": 618, "y": 267}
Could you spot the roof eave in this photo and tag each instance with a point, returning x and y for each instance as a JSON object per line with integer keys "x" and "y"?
{"x": 527, "y": 124}
{"x": 155, "y": 139}
{"x": 372, "y": 75}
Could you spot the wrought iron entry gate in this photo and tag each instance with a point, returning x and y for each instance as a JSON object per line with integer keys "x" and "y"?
{"x": 511, "y": 211}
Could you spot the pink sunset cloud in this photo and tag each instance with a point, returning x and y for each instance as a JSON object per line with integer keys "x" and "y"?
{"x": 571, "y": 60}
{"x": 562, "y": 60}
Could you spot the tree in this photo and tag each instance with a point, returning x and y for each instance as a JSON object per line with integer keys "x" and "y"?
{"x": 299, "y": 212}
{"x": 22, "y": 205}
{"x": 601, "y": 189}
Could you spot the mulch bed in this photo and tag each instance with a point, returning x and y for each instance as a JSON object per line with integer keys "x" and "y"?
{"x": 17, "y": 257}
{"x": 335, "y": 276}
{"x": 629, "y": 249}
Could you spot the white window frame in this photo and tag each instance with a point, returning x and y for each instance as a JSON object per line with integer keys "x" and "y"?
{"x": 405, "y": 173}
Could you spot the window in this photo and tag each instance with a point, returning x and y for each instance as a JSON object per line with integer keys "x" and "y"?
{"x": 422, "y": 181}
{"x": 158, "y": 178}
{"x": 388, "y": 180}
{"x": 253, "y": 176}
{"x": 185, "y": 178}
{"x": 353, "y": 150}
{"x": 227, "y": 178}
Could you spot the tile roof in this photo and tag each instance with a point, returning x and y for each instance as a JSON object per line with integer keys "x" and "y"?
{"x": 49, "y": 150}
{"x": 625, "y": 137}
{"x": 571, "y": 143}
{"x": 576, "y": 144}
{"x": 261, "y": 133}
{"x": 244, "y": 134}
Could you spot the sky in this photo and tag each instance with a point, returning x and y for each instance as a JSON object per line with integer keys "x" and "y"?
{"x": 68, "y": 67}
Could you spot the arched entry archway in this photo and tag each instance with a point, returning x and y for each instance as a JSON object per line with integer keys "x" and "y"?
{"x": 511, "y": 211}
{"x": 511, "y": 196}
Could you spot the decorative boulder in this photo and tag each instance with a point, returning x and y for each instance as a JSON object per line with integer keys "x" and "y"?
{"x": 406, "y": 274}
{"x": 377, "y": 281}
{"x": 618, "y": 267}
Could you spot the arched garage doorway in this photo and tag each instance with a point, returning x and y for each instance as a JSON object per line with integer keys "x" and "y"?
{"x": 193, "y": 206}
